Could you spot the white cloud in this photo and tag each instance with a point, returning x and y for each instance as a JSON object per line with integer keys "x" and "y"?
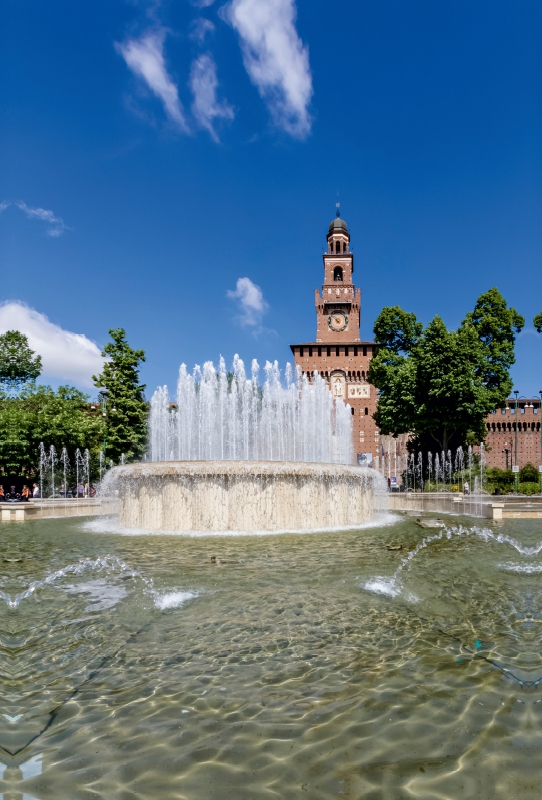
{"x": 200, "y": 28}
{"x": 275, "y": 58}
{"x": 202, "y": 3}
{"x": 250, "y": 300}
{"x": 57, "y": 223}
{"x": 204, "y": 83}
{"x": 66, "y": 356}
{"x": 145, "y": 57}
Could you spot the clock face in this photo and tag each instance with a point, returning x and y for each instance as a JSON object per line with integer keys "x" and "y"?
{"x": 338, "y": 320}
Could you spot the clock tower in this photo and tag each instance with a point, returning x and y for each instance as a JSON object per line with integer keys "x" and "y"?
{"x": 338, "y": 355}
{"x": 338, "y": 305}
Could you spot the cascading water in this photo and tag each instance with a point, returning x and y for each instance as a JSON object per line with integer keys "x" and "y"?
{"x": 229, "y": 416}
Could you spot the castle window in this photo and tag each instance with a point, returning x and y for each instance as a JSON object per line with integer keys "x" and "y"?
{"x": 337, "y": 274}
{"x": 352, "y": 410}
{"x": 319, "y": 352}
{"x": 336, "y": 351}
{"x": 329, "y": 351}
{"x": 310, "y": 352}
{"x": 355, "y": 351}
{"x": 366, "y": 412}
{"x": 364, "y": 351}
{"x": 300, "y": 351}
{"x": 344, "y": 247}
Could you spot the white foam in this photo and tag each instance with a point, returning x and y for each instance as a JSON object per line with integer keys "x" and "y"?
{"x": 110, "y": 525}
{"x": 383, "y": 586}
{"x": 173, "y": 599}
{"x": 524, "y": 568}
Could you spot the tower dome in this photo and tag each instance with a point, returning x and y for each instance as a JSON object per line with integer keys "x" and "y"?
{"x": 338, "y": 224}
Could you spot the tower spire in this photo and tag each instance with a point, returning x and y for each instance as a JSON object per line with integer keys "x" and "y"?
{"x": 338, "y": 213}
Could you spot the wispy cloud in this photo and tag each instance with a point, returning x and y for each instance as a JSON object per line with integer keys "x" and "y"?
{"x": 200, "y": 28}
{"x": 202, "y": 3}
{"x": 276, "y": 59}
{"x": 145, "y": 57}
{"x": 57, "y": 223}
{"x": 57, "y": 226}
{"x": 250, "y": 301}
{"x": 203, "y": 83}
{"x": 65, "y": 356}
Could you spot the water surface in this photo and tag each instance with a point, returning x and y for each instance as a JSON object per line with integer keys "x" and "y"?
{"x": 314, "y": 666}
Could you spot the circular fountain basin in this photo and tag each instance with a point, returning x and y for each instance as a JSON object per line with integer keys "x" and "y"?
{"x": 245, "y": 495}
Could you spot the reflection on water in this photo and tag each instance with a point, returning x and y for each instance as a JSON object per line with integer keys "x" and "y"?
{"x": 318, "y": 666}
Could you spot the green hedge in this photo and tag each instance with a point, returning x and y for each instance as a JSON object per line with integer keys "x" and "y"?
{"x": 529, "y": 487}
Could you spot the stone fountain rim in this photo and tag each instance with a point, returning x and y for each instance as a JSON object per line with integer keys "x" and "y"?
{"x": 240, "y": 467}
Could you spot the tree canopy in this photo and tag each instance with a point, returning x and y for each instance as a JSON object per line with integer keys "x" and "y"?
{"x": 126, "y": 407}
{"x": 39, "y": 414}
{"x": 439, "y": 384}
{"x": 18, "y": 363}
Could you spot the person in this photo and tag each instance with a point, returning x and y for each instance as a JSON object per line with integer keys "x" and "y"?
{"x": 35, "y": 490}
{"x": 80, "y": 490}
{"x": 2, "y": 497}
{"x": 25, "y": 494}
{"x": 422, "y": 484}
{"x": 92, "y": 492}
{"x": 389, "y": 484}
{"x": 466, "y": 488}
{"x": 86, "y": 490}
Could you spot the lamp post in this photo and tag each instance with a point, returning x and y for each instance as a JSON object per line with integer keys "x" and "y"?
{"x": 516, "y": 392}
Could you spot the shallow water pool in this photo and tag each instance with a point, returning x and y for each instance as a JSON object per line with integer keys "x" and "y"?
{"x": 296, "y": 666}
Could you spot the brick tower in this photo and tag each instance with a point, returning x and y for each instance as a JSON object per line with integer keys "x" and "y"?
{"x": 337, "y": 353}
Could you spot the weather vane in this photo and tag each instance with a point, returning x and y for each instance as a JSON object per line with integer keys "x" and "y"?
{"x": 338, "y": 209}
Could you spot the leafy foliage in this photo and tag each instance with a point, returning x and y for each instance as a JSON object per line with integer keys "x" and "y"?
{"x": 537, "y": 322}
{"x": 40, "y": 414}
{"x": 440, "y": 384}
{"x": 529, "y": 473}
{"x": 18, "y": 363}
{"x": 126, "y": 407}
{"x": 503, "y": 478}
{"x": 529, "y": 488}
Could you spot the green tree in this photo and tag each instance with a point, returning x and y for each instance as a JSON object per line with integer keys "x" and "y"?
{"x": 18, "y": 363}
{"x": 537, "y": 322}
{"x": 61, "y": 418}
{"x": 440, "y": 384}
{"x": 126, "y": 407}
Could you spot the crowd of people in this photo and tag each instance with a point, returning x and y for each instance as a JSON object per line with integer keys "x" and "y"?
{"x": 12, "y": 495}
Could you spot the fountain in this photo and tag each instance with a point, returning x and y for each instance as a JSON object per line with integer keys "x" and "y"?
{"x": 232, "y": 455}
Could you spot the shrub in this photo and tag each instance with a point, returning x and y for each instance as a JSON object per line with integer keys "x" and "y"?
{"x": 529, "y": 487}
{"x": 503, "y": 478}
{"x": 528, "y": 474}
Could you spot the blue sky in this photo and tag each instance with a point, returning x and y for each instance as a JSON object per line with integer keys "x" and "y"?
{"x": 153, "y": 154}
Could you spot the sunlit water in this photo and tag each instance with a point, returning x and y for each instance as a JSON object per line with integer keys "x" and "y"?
{"x": 296, "y": 666}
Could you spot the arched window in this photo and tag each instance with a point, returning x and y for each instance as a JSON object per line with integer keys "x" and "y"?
{"x": 366, "y": 412}
{"x": 352, "y": 410}
{"x": 344, "y": 247}
{"x": 338, "y": 274}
